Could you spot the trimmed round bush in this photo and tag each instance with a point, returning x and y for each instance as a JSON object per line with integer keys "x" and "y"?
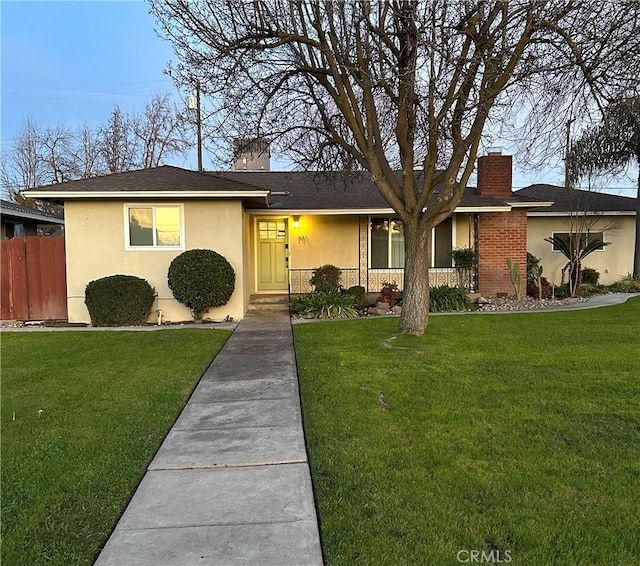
{"x": 326, "y": 278}
{"x": 119, "y": 300}
{"x": 201, "y": 279}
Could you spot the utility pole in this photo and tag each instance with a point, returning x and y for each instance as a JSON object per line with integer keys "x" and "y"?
{"x": 199, "y": 126}
{"x": 567, "y": 154}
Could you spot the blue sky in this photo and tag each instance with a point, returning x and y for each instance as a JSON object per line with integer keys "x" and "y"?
{"x": 70, "y": 62}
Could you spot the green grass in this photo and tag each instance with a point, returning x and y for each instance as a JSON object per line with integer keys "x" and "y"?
{"x": 82, "y": 415}
{"x": 516, "y": 433}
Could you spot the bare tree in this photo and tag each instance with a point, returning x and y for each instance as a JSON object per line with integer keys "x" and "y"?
{"x": 86, "y": 155}
{"x": 609, "y": 147}
{"x": 161, "y": 130}
{"x": 395, "y": 85}
{"x": 117, "y": 142}
{"x": 25, "y": 166}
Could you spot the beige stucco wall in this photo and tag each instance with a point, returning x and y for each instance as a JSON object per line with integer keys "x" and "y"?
{"x": 95, "y": 241}
{"x": 615, "y": 261}
{"x": 463, "y": 231}
{"x": 324, "y": 239}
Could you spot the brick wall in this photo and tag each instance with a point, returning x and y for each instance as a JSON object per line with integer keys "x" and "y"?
{"x": 501, "y": 235}
{"x": 494, "y": 175}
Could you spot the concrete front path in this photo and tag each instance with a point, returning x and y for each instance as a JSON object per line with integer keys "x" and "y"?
{"x": 230, "y": 484}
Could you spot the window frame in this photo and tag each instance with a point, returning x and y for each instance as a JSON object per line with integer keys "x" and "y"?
{"x": 154, "y": 247}
{"x": 432, "y": 243}
{"x": 586, "y": 234}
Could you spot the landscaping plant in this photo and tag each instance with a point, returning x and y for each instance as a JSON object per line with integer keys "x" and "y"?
{"x": 465, "y": 261}
{"x": 201, "y": 279}
{"x": 326, "y": 278}
{"x": 359, "y": 293}
{"x": 515, "y": 277}
{"x": 325, "y": 305}
{"x": 445, "y": 298}
{"x": 389, "y": 293}
{"x": 119, "y": 300}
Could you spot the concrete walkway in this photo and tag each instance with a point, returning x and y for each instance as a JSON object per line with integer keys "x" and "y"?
{"x": 231, "y": 483}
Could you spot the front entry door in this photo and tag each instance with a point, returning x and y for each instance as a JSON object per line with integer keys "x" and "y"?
{"x": 272, "y": 255}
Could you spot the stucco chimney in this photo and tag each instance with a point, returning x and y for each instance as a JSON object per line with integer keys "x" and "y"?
{"x": 251, "y": 154}
{"x": 494, "y": 174}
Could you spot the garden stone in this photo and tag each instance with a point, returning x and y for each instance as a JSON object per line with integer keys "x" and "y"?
{"x": 383, "y": 306}
{"x": 396, "y": 309}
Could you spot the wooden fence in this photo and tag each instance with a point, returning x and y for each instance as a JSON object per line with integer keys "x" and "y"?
{"x": 33, "y": 281}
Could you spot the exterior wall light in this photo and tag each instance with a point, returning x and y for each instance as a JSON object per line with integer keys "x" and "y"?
{"x": 296, "y": 222}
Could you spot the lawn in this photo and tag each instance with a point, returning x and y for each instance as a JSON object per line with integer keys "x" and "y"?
{"x": 82, "y": 415}
{"x": 516, "y": 435}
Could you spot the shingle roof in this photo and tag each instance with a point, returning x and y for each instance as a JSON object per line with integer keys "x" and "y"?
{"x": 577, "y": 199}
{"x": 334, "y": 191}
{"x": 12, "y": 209}
{"x": 163, "y": 178}
{"x": 290, "y": 190}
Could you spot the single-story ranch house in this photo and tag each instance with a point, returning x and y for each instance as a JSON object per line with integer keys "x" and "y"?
{"x": 275, "y": 228}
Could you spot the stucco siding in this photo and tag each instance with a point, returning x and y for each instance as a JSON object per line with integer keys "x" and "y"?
{"x": 324, "y": 239}
{"x": 96, "y": 248}
{"x": 613, "y": 262}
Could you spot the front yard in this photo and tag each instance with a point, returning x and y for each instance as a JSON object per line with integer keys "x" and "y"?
{"x": 82, "y": 415}
{"x": 514, "y": 435}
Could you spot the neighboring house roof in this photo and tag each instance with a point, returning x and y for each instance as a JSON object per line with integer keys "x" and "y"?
{"x": 292, "y": 191}
{"x": 13, "y": 210}
{"x": 565, "y": 202}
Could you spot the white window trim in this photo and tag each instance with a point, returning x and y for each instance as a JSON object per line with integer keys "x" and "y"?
{"x": 604, "y": 241}
{"x": 129, "y": 247}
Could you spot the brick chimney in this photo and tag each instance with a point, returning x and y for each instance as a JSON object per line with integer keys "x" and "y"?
{"x": 501, "y": 235}
{"x": 494, "y": 174}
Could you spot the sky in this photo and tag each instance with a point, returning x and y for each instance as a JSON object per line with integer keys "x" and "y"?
{"x": 64, "y": 63}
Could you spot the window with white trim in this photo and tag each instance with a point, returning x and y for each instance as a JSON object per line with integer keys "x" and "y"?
{"x": 583, "y": 240}
{"x": 387, "y": 244}
{"x": 154, "y": 227}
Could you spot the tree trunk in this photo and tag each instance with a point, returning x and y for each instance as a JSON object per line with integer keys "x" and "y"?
{"x": 415, "y": 303}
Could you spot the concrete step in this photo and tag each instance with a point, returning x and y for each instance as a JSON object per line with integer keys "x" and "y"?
{"x": 277, "y": 302}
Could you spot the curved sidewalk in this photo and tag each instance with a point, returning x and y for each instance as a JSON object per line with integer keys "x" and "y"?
{"x": 230, "y": 483}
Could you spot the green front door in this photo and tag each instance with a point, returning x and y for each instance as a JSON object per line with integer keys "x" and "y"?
{"x": 272, "y": 255}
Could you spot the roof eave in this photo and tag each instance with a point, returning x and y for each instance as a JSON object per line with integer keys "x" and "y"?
{"x": 71, "y": 195}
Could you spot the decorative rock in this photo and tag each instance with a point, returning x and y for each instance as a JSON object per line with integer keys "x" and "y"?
{"x": 396, "y": 310}
{"x": 383, "y": 306}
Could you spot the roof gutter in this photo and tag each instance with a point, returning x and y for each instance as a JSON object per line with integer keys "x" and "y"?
{"x": 69, "y": 195}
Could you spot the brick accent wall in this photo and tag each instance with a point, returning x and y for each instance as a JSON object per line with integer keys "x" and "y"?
{"x": 494, "y": 175}
{"x": 501, "y": 235}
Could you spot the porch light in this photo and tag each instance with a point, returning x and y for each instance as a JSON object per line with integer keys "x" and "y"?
{"x": 296, "y": 222}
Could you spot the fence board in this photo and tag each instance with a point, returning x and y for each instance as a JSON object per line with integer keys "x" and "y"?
{"x": 33, "y": 275}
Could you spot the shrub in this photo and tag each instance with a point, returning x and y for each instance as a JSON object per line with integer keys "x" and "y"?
{"x": 465, "y": 258}
{"x": 587, "y": 289}
{"x": 201, "y": 279}
{"x": 590, "y": 276}
{"x": 627, "y": 284}
{"x": 326, "y": 278}
{"x": 325, "y": 305}
{"x": 359, "y": 293}
{"x": 119, "y": 300}
{"x": 389, "y": 293}
{"x": 532, "y": 288}
{"x": 445, "y": 298}
{"x": 561, "y": 291}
